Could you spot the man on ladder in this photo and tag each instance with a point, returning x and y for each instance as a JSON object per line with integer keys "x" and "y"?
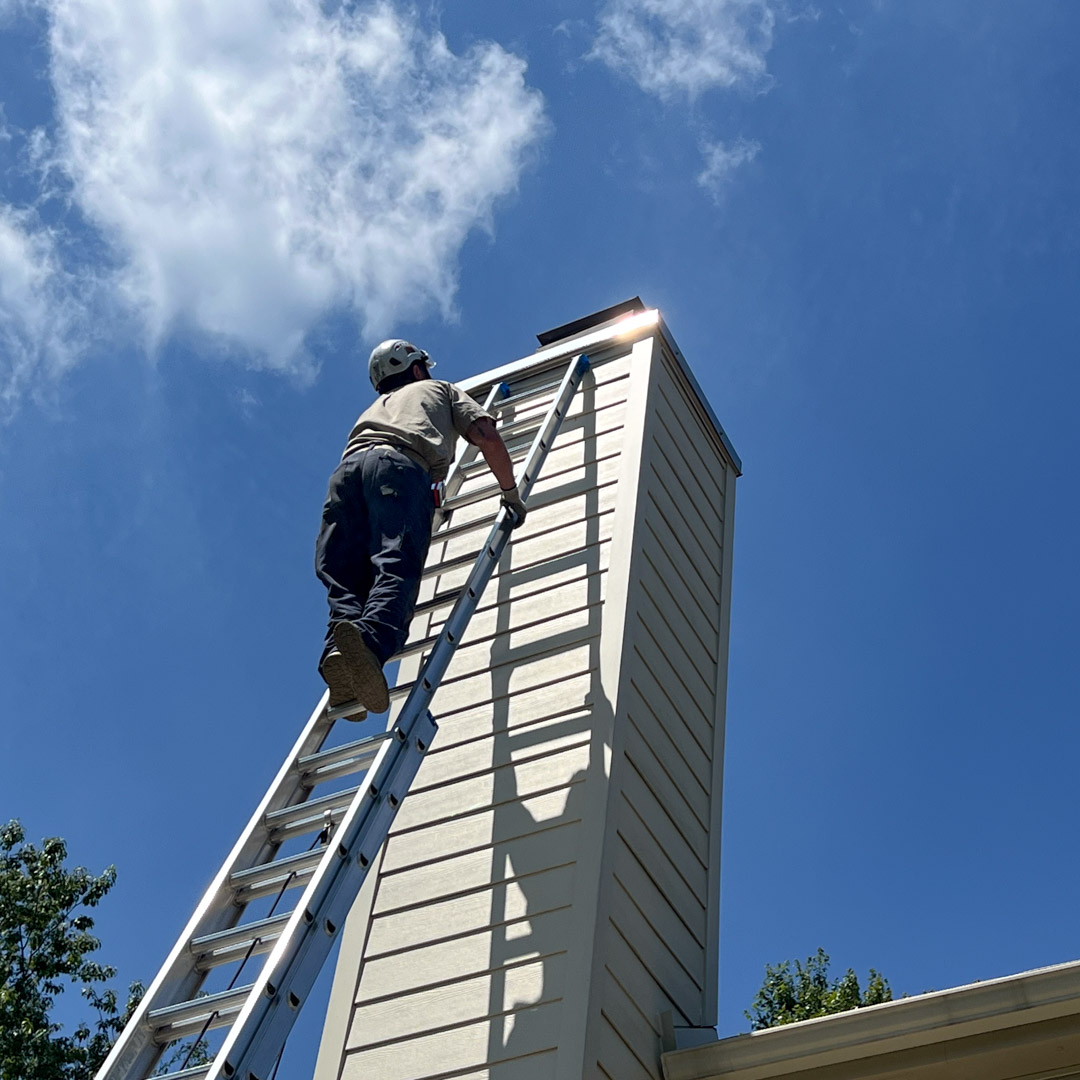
{"x": 376, "y": 521}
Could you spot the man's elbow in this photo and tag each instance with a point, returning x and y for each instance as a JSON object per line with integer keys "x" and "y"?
{"x": 482, "y": 433}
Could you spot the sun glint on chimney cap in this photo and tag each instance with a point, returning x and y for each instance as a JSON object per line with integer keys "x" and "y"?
{"x": 590, "y": 322}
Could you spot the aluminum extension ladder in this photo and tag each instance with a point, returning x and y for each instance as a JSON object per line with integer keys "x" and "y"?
{"x": 351, "y": 826}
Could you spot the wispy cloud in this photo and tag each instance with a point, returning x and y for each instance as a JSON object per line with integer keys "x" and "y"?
{"x": 721, "y": 160}
{"x": 41, "y": 307}
{"x": 677, "y": 48}
{"x": 10, "y": 8}
{"x": 252, "y": 165}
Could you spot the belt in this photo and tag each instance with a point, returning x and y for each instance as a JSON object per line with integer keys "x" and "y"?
{"x": 412, "y": 455}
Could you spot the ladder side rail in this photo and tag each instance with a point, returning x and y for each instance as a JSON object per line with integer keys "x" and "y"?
{"x": 257, "y": 1037}
{"x": 135, "y": 1053}
{"x": 546, "y": 435}
{"x": 252, "y": 1047}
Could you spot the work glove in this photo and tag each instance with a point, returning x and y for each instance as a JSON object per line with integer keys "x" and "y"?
{"x": 512, "y": 500}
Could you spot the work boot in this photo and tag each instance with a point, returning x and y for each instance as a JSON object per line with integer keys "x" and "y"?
{"x": 336, "y": 674}
{"x": 368, "y": 681}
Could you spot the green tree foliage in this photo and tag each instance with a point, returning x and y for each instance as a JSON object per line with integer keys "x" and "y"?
{"x": 797, "y": 991}
{"x": 46, "y": 945}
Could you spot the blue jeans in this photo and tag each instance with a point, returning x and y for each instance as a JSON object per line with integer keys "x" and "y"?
{"x": 374, "y": 537}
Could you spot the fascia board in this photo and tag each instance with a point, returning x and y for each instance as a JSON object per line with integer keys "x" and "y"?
{"x": 997, "y": 1005}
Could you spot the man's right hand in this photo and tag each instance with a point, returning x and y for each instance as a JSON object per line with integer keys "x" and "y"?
{"x": 511, "y": 499}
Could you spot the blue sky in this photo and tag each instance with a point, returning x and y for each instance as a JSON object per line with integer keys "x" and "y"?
{"x": 862, "y": 225}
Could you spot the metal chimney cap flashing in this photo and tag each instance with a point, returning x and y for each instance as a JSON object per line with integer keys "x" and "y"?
{"x": 590, "y": 322}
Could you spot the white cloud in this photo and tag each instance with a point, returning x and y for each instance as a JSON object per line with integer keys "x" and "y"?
{"x": 255, "y": 164}
{"x": 9, "y": 9}
{"x": 685, "y": 47}
{"x": 39, "y": 311}
{"x": 721, "y": 160}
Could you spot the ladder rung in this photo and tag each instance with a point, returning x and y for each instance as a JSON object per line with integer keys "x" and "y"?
{"x": 192, "y": 1072}
{"x": 518, "y": 452}
{"x": 476, "y": 496}
{"x": 418, "y": 646}
{"x": 187, "y": 1017}
{"x": 306, "y": 816}
{"x": 272, "y": 876}
{"x": 468, "y": 452}
{"x": 446, "y": 565}
{"x": 212, "y": 950}
{"x": 452, "y": 531}
{"x": 440, "y": 599}
{"x": 341, "y": 760}
{"x": 531, "y": 394}
{"x": 515, "y": 428}
{"x": 352, "y": 710}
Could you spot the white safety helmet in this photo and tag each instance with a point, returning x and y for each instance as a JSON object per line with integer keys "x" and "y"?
{"x": 393, "y": 356}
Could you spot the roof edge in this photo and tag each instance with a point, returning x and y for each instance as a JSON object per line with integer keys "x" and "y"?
{"x": 996, "y": 1005}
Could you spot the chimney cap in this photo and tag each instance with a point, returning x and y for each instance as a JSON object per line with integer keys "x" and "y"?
{"x": 590, "y": 322}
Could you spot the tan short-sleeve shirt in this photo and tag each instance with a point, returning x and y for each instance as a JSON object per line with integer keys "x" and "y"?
{"x": 422, "y": 418}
